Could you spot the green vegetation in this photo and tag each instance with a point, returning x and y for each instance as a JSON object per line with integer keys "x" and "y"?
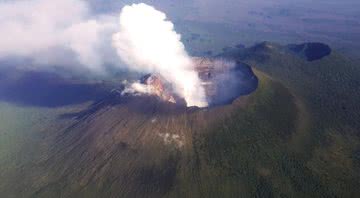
{"x": 247, "y": 146}
{"x": 328, "y": 88}
{"x": 249, "y": 150}
{"x": 23, "y": 143}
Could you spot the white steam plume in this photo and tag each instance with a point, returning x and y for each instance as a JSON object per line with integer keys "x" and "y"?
{"x": 66, "y": 33}
{"x": 147, "y": 42}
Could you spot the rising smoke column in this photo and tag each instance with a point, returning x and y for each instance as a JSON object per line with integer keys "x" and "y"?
{"x": 148, "y": 42}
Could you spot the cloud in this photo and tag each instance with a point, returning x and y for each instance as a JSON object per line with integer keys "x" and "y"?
{"x": 52, "y": 32}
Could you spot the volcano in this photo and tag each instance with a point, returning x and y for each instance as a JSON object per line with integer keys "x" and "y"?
{"x": 259, "y": 136}
{"x": 139, "y": 144}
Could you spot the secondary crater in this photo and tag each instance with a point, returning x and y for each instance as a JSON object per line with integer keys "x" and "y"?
{"x": 310, "y": 51}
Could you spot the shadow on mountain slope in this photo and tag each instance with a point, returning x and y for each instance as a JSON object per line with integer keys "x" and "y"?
{"x": 44, "y": 89}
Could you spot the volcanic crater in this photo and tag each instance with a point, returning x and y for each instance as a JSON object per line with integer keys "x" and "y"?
{"x": 223, "y": 81}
